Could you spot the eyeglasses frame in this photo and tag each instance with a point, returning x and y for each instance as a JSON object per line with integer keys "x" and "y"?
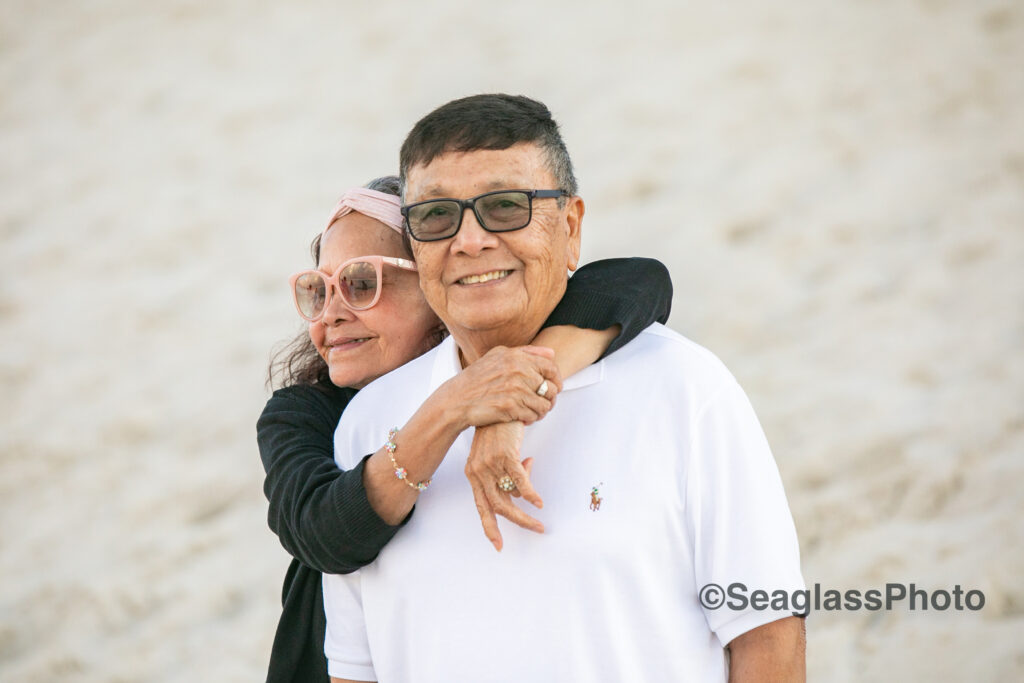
{"x": 334, "y": 282}
{"x": 471, "y": 204}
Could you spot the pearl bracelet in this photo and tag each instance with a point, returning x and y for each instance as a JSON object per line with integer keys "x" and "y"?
{"x": 400, "y": 471}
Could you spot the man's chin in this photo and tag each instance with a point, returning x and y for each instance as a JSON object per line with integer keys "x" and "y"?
{"x": 482, "y": 319}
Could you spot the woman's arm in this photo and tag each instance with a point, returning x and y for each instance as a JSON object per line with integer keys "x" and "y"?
{"x": 630, "y": 293}
{"x": 499, "y": 387}
{"x": 605, "y": 306}
{"x": 320, "y": 514}
{"x": 337, "y": 521}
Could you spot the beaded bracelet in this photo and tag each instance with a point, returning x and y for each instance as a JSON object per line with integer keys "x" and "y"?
{"x": 400, "y": 471}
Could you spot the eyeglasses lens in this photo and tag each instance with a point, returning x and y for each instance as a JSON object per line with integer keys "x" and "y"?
{"x": 505, "y": 211}
{"x": 434, "y": 220}
{"x": 359, "y": 284}
{"x": 310, "y": 294}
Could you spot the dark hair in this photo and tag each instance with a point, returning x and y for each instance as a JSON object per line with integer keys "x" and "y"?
{"x": 297, "y": 361}
{"x": 487, "y": 122}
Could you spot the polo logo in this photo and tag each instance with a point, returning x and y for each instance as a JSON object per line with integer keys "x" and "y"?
{"x": 595, "y": 498}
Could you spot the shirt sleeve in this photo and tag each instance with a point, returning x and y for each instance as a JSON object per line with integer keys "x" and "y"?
{"x": 630, "y": 292}
{"x": 346, "y": 644}
{"x": 320, "y": 513}
{"x": 738, "y": 516}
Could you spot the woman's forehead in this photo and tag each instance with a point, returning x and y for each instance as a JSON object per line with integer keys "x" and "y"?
{"x": 357, "y": 235}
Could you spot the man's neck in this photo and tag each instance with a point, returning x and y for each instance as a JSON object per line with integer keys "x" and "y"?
{"x": 473, "y": 345}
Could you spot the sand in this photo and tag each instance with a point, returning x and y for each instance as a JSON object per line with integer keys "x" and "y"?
{"x": 837, "y": 188}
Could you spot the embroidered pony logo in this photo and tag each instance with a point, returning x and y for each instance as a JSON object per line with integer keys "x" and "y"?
{"x": 595, "y": 498}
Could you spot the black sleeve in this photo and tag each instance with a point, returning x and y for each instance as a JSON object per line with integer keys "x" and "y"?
{"x": 319, "y": 512}
{"x": 631, "y": 292}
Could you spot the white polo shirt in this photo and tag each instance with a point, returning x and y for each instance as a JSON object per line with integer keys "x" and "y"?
{"x": 690, "y": 495}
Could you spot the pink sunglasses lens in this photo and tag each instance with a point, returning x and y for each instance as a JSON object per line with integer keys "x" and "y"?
{"x": 359, "y": 284}
{"x": 310, "y": 294}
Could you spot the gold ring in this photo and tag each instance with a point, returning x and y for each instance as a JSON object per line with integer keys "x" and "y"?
{"x": 506, "y": 484}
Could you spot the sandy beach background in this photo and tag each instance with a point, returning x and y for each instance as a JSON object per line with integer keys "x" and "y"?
{"x": 837, "y": 188}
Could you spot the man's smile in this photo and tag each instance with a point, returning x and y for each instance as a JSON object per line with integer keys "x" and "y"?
{"x": 484, "y": 277}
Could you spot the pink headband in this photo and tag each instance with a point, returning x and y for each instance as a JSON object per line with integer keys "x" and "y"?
{"x": 377, "y": 205}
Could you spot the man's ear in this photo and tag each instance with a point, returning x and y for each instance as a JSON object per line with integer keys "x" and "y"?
{"x": 574, "y": 220}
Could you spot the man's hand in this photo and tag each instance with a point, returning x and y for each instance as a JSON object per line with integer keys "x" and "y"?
{"x": 774, "y": 652}
{"x": 493, "y": 455}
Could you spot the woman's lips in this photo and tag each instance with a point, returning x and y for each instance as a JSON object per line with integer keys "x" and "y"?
{"x": 346, "y": 345}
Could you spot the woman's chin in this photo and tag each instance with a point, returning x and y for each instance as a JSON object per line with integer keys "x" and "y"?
{"x": 357, "y": 377}
{"x": 349, "y": 377}
{"x": 358, "y": 368}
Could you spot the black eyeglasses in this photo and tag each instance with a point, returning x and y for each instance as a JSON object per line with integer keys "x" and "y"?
{"x": 501, "y": 211}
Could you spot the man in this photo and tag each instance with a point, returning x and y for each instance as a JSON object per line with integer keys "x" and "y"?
{"x": 656, "y": 475}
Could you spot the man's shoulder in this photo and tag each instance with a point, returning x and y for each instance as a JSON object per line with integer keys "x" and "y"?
{"x": 404, "y": 378}
{"x": 659, "y": 353}
{"x": 391, "y": 397}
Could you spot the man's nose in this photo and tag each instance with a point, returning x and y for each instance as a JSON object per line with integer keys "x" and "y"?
{"x": 472, "y": 239}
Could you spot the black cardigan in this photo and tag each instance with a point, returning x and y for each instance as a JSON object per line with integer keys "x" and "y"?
{"x": 321, "y": 514}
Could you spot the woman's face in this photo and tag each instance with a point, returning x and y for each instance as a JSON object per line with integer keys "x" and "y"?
{"x": 360, "y": 346}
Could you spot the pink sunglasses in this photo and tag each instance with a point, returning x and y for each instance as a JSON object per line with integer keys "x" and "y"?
{"x": 357, "y": 280}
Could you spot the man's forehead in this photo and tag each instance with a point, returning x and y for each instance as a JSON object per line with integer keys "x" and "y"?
{"x": 476, "y": 171}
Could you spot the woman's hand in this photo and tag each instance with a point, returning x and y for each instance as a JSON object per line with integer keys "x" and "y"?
{"x": 493, "y": 455}
{"x": 502, "y": 387}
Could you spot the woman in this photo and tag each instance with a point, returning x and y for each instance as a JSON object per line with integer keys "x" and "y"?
{"x": 334, "y": 521}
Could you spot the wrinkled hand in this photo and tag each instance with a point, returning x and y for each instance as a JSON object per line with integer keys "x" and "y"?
{"x": 493, "y": 455}
{"x": 502, "y": 386}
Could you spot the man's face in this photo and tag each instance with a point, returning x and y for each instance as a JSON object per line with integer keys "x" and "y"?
{"x": 499, "y": 287}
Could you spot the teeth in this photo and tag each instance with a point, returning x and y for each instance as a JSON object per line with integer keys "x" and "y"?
{"x": 486, "y": 277}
